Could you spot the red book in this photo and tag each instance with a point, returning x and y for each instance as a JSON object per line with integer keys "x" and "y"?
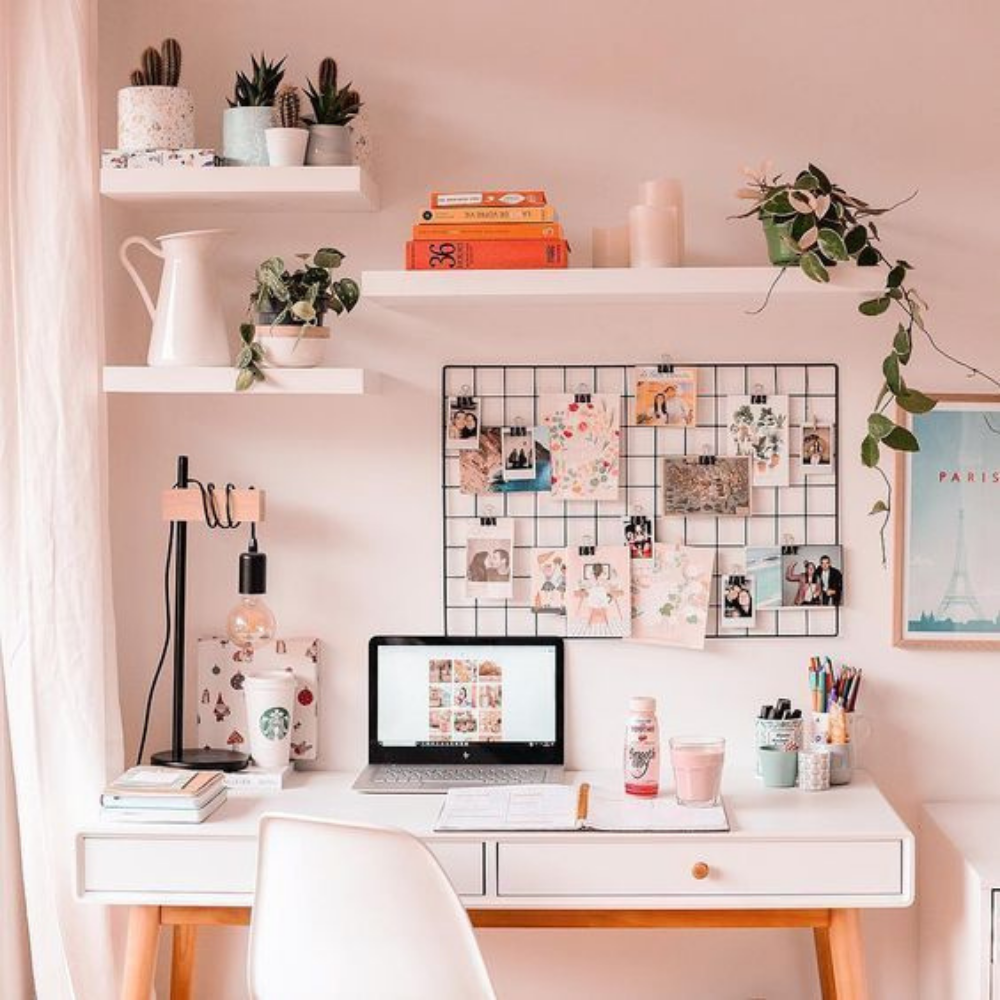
{"x": 484, "y": 255}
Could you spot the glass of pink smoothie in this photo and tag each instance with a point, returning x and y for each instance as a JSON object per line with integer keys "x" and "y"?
{"x": 697, "y": 763}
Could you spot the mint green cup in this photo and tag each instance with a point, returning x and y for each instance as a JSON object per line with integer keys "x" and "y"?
{"x": 778, "y": 767}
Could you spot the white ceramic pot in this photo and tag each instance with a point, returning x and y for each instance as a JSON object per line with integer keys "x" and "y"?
{"x": 286, "y": 147}
{"x": 293, "y": 346}
{"x": 155, "y": 118}
{"x": 329, "y": 146}
{"x": 244, "y": 140}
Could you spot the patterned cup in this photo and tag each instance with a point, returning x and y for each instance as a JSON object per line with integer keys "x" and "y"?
{"x": 814, "y": 769}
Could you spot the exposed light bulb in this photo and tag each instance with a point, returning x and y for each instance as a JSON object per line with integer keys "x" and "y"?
{"x": 251, "y": 621}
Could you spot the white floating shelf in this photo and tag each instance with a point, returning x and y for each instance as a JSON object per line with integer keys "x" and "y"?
{"x": 280, "y": 381}
{"x": 405, "y": 289}
{"x": 261, "y": 189}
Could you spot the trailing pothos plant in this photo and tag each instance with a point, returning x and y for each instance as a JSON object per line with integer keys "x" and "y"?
{"x": 821, "y": 226}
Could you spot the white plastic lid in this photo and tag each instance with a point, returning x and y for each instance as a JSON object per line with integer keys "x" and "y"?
{"x": 642, "y": 705}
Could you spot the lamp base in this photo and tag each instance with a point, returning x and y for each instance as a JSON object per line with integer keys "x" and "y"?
{"x": 202, "y": 759}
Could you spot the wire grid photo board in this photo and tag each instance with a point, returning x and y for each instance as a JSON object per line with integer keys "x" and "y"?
{"x": 805, "y": 512}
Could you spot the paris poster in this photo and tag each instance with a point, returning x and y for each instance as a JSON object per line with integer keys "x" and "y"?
{"x": 947, "y": 541}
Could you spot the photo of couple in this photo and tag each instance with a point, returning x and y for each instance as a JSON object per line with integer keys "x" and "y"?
{"x": 462, "y": 424}
{"x": 488, "y": 563}
{"x": 738, "y": 609}
{"x": 665, "y": 398}
{"x": 812, "y": 581}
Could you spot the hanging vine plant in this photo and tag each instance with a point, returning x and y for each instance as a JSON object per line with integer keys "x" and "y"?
{"x": 815, "y": 225}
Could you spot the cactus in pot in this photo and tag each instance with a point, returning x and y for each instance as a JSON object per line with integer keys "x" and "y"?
{"x": 287, "y": 138}
{"x": 333, "y": 109}
{"x": 250, "y": 111}
{"x": 155, "y": 112}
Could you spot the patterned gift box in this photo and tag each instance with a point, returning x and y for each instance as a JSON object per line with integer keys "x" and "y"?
{"x": 119, "y": 159}
{"x": 222, "y": 668}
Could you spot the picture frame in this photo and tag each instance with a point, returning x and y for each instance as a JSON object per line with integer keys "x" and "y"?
{"x": 944, "y": 596}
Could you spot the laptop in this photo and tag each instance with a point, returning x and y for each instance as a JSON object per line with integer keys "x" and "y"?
{"x": 459, "y": 712}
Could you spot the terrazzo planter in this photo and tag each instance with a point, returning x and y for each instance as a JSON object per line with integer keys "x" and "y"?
{"x": 155, "y": 118}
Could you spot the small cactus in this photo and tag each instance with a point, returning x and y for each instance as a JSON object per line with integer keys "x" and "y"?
{"x": 328, "y": 74}
{"x": 137, "y": 79}
{"x": 152, "y": 67}
{"x": 287, "y": 107}
{"x": 171, "y": 58}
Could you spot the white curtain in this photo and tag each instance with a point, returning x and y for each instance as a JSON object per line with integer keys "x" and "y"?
{"x": 58, "y": 659}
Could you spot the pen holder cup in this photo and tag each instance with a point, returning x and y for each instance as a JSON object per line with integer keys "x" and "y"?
{"x": 786, "y": 734}
{"x": 846, "y": 756}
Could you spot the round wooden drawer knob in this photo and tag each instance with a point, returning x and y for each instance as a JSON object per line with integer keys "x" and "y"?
{"x": 699, "y": 870}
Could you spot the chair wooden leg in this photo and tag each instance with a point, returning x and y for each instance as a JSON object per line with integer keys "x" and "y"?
{"x": 182, "y": 962}
{"x": 848, "y": 955}
{"x": 824, "y": 963}
{"x": 140, "y": 952}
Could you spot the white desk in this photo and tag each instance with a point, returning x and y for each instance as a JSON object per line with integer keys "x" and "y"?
{"x": 792, "y": 859}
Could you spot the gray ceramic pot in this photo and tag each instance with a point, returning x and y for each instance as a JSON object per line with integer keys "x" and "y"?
{"x": 244, "y": 143}
{"x": 329, "y": 146}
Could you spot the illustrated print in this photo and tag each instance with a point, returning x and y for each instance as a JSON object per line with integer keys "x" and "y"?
{"x": 236, "y": 681}
{"x": 718, "y": 487}
{"x": 585, "y": 442}
{"x": 758, "y": 428}
{"x": 597, "y": 592}
{"x": 548, "y": 581}
{"x": 670, "y": 595}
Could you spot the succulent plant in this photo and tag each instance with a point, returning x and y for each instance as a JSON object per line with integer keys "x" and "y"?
{"x": 330, "y": 105}
{"x": 260, "y": 89}
{"x": 170, "y": 52}
{"x": 152, "y": 67}
{"x": 288, "y": 107}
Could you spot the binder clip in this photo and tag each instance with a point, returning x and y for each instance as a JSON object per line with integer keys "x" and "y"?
{"x": 582, "y": 394}
{"x": 517, "y": 429}
{"x": 489, "y": 519}
{"x": 759, "y": 397}
{"x": 587, "y": 548}
{"x": 737, "y": 579}
{"x": 706, "y": 457}
{"x": 788, "y": 546}
{"x": 665, "y": 367}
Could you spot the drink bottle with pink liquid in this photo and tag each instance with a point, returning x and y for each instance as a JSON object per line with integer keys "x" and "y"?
{"x": 642, "y": 748}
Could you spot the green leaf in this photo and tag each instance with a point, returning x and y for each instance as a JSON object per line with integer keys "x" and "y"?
{"x": 890, "y": 369}
{"x": 801, "y": 201}
{"x": 879, "y": 426}
{"x": 879, "y": 507}
{"x": 821, "y": 178}
{"x": 246, "y": 333}
{"x": 806, "y": 182}
{"x": 778, "y": 205}
{"x": 896, "y": 277}
{"x": 812, "y": 267}
{"x": 901, "y": 440}
{"x": 875, "y": 307}
{"x": 801, "y": 224}
{"x": 856, "y": 240}
{"x": 244, "y": 380}
{"x": 902, "y": 344}
{"x": 328, "y": 257}
{"x": 245, "y": 357}
{"x": 914, "y": 401}
{"x": 348, "y": 292}
{"x": 869, "y": 452}
{"x": 832, "y": 244}
{"x": 868, "y": 257}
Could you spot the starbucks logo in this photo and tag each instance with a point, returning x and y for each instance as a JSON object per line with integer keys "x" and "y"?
{"x": 274, "y": 723}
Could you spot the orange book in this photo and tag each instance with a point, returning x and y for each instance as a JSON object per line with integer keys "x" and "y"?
{"x": 484, "y": 255}
{"x": 490, "y": 213}
{"x": 475, "y": 199}
{"x": 488, "y": 231}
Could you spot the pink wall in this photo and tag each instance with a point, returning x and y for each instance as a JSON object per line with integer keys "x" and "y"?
{"x": 585, "y": 101}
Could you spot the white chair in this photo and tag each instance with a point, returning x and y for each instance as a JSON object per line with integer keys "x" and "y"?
{"x": 357, "y": 913}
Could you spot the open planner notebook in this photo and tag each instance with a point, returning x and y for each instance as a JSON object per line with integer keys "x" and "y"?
{"x": 572, "y": 807}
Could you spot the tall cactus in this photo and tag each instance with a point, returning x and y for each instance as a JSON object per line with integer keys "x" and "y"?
{"x": 152, "y": 67}
{"x": 287, "y": 107}
{"x": 171, "y": 57}
{"x": 328, "y": 74}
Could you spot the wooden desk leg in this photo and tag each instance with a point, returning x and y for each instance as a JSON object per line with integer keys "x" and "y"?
{"x": 182, "y": 962}
{"x": 848, "y": 955}
{"x": 824, "y": 962}
{"x": 140, "y": 952}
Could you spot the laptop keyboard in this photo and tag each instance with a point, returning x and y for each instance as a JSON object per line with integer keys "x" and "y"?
{"x": 401, "y": 776}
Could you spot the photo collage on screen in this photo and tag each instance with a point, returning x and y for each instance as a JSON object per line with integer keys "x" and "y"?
{"x": 465, "y": 701}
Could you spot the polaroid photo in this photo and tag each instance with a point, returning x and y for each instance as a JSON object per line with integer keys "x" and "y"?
{"x": 758, "y": 428}
{"x": 518, "y": 449}
{"x": 739, "y": 609}
{"x": 638, "y": 530}
{"x": 812, "y": 576}
{"x": 585, "y": 444}
{"x": 598, "y": 592}
{"x": 671, "y": 595}
{"x": 763, "y": 564}
{"x": 816, "y": 448}
{"x": 548, "y": 581}
{"x": 461, "y": 425}
{"x": 666, "y": 398}
{"x": 489, "y": 561}
{"x": 719, "y": 487}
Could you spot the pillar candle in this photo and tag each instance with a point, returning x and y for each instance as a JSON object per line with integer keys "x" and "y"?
{"x": 653, "y": 236}
{"x": 610, "y": 247}
{"x": 666, "y": 192}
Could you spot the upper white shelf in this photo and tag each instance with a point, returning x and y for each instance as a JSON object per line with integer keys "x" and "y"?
{"x": 279, "y": 381}
{"x": 610, "y": 285}
{"x": 261, "y": 189}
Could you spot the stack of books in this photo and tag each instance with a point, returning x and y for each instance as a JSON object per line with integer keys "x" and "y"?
{"x": 163, "y": 795}
{"x": 487, "y": 230}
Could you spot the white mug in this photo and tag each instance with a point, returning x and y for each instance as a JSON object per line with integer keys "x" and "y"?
{"x": 270, "y": 695}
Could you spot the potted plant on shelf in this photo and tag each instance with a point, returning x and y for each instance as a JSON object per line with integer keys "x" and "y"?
{"x": 288, "y": 309}
{"x": 333, "y": 109}
{"x": 250, "y": 113}
{"x": 155, "y": 112}
{"x": 287, "y": 138}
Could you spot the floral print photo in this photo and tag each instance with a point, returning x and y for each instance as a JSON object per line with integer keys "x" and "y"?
{"x": 585, "y": 443}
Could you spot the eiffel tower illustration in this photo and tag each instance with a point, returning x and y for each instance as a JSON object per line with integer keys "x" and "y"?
{"x": 960, "y": 602}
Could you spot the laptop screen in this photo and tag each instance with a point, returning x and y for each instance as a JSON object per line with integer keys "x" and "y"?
{"x": 466, "y": 700}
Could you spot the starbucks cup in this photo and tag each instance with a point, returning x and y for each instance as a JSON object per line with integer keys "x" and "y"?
{"x": 270, "y": 695}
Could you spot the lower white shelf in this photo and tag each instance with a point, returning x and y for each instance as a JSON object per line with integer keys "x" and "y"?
{"x": 280, "y": 381}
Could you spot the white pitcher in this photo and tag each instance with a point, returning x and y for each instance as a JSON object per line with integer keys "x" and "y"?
{"x": 188, "y": 324}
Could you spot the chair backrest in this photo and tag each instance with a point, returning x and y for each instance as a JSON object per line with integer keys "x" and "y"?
{"x": 357, "y": 912}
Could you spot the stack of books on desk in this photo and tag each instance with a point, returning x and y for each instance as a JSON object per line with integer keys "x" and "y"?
{"x": 487, "y": 230}
{"x": 163, "y": 795}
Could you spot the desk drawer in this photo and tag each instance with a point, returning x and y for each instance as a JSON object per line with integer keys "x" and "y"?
{"x": 225, "y": 865}
{"x": 657, "y": 868}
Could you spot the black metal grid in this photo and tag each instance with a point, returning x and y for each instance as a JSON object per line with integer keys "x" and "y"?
{"x": 806, "y": 512}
